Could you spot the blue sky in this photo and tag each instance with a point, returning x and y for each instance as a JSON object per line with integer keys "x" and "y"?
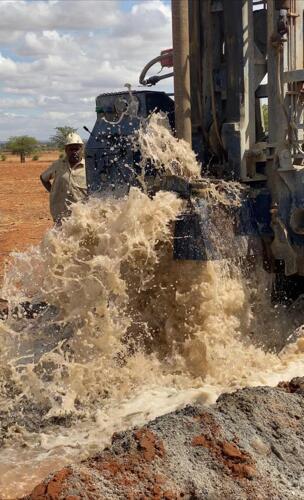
{"x": 56, "y": 56}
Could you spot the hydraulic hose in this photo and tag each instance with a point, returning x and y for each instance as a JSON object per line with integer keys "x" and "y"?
{"x": 153, "y": 79}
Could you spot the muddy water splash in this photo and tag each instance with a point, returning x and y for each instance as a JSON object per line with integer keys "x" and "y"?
{"x": 129, "y": 333}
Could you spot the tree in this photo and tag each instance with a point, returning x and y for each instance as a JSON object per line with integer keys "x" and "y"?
{"x": 58, "y": 140}
{"x": 22, "y": 145}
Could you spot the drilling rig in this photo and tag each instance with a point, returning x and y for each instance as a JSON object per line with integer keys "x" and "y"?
{"x": 236, "y": 65}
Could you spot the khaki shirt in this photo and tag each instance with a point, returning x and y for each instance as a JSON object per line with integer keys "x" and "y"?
{"x": 68, "y": 186}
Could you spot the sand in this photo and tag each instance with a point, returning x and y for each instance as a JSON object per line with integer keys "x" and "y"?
{"x": 24, "y": 209}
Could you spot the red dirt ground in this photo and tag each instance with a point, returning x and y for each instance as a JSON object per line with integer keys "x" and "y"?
{"x": 24, "y": 208}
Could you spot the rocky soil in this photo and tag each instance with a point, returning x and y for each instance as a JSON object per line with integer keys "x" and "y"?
{"x": 249, "y": 445}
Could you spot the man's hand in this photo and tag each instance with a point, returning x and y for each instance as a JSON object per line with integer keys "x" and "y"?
{"x": 46, "y": 184}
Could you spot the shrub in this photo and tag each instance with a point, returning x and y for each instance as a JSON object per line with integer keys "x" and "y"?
{"x": 3, "y": 157}
{"x": 61, "y": 156}
{"x": 35, "y": 157}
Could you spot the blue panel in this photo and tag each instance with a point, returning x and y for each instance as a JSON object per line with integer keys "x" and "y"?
{"x": 111, "y": 162}
{"x": 254, "y": 216}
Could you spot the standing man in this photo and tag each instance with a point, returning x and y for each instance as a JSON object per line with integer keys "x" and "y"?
{"x": 68, "y": 178}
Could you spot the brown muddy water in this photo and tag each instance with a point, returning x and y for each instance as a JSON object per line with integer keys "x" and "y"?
{"x": 130, "y": 333}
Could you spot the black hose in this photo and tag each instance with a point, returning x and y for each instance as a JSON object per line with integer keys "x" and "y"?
{"x": 153, "y": 79}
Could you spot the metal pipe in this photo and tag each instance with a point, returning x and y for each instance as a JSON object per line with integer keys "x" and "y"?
{"x": 181, "y": 64}
{"x": 276, "y": 116}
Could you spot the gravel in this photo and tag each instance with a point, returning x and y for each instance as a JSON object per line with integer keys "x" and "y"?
{"x": 249, "y": 445}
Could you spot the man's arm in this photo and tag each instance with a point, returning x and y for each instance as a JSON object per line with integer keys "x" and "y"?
{"x": 46, "y": 184}
{"x": 46, "y": 176}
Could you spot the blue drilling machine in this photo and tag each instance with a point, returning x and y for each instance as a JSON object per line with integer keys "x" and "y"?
{"x": 238, "y": 101}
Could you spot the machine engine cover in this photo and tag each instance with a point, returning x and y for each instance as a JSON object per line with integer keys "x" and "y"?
{"x": 111, "y": 162}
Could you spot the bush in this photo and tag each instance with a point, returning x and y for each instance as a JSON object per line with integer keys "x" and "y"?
{"x": 61, "y": 156}
{"x": 3, "y": 157}
{"x": 35, "y": 157}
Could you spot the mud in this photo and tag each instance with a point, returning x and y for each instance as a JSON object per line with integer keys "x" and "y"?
{"x": 249, "y": 445}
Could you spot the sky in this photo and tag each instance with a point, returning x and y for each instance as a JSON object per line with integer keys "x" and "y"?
{"x": 56, "y": 56}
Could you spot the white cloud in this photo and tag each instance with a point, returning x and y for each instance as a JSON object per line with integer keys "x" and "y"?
{"x": 60, "y": 115}
{"x": 13, "y": 115}
{"x": 150, "y": 6}
{"x": 47, "y": 42}
{"x": 7, "y": 67}
{"x": 87, "y": 99}
{"x": 62, "y": 14}
{"x": 64, "y": 53}
{"x": 9, "y": 36}
{"x": 22, "y": 102}
{"x": 45, "y": 100}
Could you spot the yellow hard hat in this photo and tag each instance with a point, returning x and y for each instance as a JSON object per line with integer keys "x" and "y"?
{"x": 73, "y": 139}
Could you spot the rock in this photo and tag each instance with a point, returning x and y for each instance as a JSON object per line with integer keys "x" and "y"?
{"x": 295, "y": 385}
{"x": 3, "y": 309}
{"x": 230, "y": 450}
{"x": 260, "y": 446}
{"x": 39, "y": 491}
